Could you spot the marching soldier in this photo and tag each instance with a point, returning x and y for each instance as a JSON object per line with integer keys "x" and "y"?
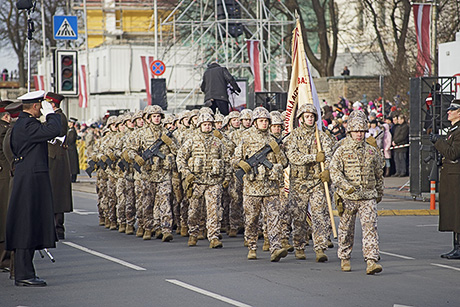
{"x": 261, "y": 188}
{"x": 306, "y": 182}
{"x": 201, "y": 161}
{"x": 357, "y": 171}
{"x": 72, "y": 138}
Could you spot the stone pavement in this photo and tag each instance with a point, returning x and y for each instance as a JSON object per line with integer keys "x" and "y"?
{"x": 397, "y": 197}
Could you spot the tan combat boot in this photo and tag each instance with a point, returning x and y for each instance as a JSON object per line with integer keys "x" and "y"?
{"x": 245, "y": 244}
{"x": 147, "y": 234}
{"x": 345, "y": 265}
{"x": 232, "y": 233}
{"x": 178, "y": 230}
{"x": 140, "y": 232}
{"x": 278, "y": 254}
{"x": 200, "y": 235}
{"x": 215, "y": 243}
{"x": 252, "y": 255}
{"x": 329, "y": 243}
{"x": 373, "y": 267}
{"x": 107, "y": 222}
{"x": 192, "y": 241}
{"x": 113, "y": 226}
{"x": 184, "y": 231}
{"x": 101, "y": 221}
{"x": 266, "y": 246}
{"x": 158, "y": 234}
{"x": 300, "y": 254}
{"x": 320, "y": 256}
{"x": 122, "y": 227}
{"x": 285, "y": 244}
{"x": 167, "y": 237}
{"x": 129, "y": 230}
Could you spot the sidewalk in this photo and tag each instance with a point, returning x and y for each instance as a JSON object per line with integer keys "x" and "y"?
{"x": 395, "y": 188}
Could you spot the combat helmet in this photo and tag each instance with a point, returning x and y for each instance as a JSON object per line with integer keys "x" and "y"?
{"x": 111, "y": 120}
{"x": 155, "y": 109}
{"x": 307, "y": 108}
{"x": 137, "y": 114}
{"x": 357, "y": 124}
{"x": 260, "y": 112}
{"x": 246, "y": 114}
{"x": 357, "y": 113}
{"x": 276, "y": 118}
{"x": 204, "y": 117}
{"x": 127, "y": 116}
{"x": 169, "y": 119}
{"x": 233, "y": 114}
{"x": 219, "y": 117}
{"x": 206, "y": 110}
{"x": 182, "y": 115}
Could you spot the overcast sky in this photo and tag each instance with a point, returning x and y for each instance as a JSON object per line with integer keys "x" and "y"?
{"x": 8, "y": 59}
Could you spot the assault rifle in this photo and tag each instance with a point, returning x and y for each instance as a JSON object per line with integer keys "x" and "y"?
{"x": 123, "y": 165}
{"x": 101, "y": 164}
{"x": 153, "y": 150}
{"x": 91, "y": 167}
{"x": 257, "y": 159}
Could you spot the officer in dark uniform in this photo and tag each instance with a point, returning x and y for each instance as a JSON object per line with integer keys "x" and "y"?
{"x": 72, "y": 138}
{"x": 60, "y": 168}
{"x": 449, "y": 194}
{"x": 30, "y": 219}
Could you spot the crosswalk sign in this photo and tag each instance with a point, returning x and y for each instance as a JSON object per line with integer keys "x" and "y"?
{"x": 65, "y": 27}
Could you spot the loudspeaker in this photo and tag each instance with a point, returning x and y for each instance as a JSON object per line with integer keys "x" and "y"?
{"x": 158, "y": 92}
{"x": 272, "y": 101}
{"x": 235, "y": 29}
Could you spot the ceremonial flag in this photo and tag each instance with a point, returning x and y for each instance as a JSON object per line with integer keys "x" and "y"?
{"x": 146, "y": 61}
{"x": 82, "y": 87}
{"x": 253, "y": 53}
{"x": 39, "y": 82}
{"x": 422, "y": 17}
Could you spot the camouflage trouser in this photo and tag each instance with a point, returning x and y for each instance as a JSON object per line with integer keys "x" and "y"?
{"x": 101, "y": 190}
{"x": 319, "y": 217}
{"x": 184, "y": 211}
{"x": 285, "y": 215}
{"x": 226, "y": 199}
{"x": 139, "y": 188}
{"x": 252, "y": 206}
{"x": 209, "y": 196}
{"x": 111, "y": 212}
{"x": 367, "y": 210}
{"x": 176, "y": 198}
{"x": 157, "y": 213}
{"x": 126, "y": 210}
{"x": 235, "y": 209}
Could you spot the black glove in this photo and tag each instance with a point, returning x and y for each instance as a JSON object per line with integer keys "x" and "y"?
{"x": 434, "y": 138}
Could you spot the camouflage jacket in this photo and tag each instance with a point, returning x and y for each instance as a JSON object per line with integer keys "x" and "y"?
{"x": 205, "y": 156}
{"x": 267, "y": 182}
{"x": 156, "y": 169}
{"x": 357, "y": 165}
{"x": 301, "y": 149}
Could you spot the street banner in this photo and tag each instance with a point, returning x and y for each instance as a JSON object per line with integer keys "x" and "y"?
{"x": 422, "y": 20}
{"x": 253, "y": 53}
{"x": 39, "y": 82}
{"x": 82, "y": 87}
{"x": 146, "y": 61}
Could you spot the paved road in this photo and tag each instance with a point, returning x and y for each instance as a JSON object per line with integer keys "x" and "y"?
{"x": 98, "y": 267}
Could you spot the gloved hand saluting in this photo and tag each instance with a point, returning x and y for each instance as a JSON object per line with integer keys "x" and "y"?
{"x": 46, "y": 108}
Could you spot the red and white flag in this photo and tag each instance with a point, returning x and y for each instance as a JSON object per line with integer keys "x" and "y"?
{"x": 39, "y": 82}
{"x": 253, "y": 53}
{"x": 82, "y": 87}
{"x": 422, "y": 17}
{"x": 146, "y": 62}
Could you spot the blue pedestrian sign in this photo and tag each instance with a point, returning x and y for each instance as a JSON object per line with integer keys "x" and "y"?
{"x": 65, "y": 27}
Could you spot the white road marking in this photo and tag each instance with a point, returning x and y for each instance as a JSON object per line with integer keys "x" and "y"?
{"x": 445, "y": 266}
{"x": 83, "y": 212}
{"x": 210, "y": 294}
{"x": 110, "y": 258}
{"x": 396, "y": 255}
{"x": 428, "y": 225}
{"x": 397, "y": 305}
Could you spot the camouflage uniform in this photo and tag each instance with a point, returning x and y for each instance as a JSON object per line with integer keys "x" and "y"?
{"x": 306, "y": 187}
{"x": 156, "y": 176}
{"x": 101, "y": 180}
{"x": 357, "y": 171}
{"x": 261, "y": 191}
{"x": 201, "y": 161}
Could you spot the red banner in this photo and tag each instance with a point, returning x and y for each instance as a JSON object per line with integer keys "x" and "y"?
{"x": 253, "y": 53}
{"x": 422, "y": 20}
{"x": 146, "y": 61}
{"x": 82, "y": 87}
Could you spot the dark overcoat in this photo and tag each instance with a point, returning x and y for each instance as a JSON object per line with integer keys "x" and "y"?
{"x": 401, "y": 136}
{"x": 215, "y": 80}
{"x": 449, "y": 184}
{"x": 4, "y": 181}
{"x": 73, "y": 152}
{"x": 61, "y": 181}
{"x": 30, "y": 219}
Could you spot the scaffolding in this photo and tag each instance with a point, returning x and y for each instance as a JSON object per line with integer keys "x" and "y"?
{"x": 207, "y": 34}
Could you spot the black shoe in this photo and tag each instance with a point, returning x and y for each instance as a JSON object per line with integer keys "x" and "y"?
{"x": 31, "y": 282}
{"x": 61, "y": 236}
{"x": 454, "y": 255}
{"x": 448, "y": 254}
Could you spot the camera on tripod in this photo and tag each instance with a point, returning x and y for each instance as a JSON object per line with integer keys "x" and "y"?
{"x": 25, "y": 4}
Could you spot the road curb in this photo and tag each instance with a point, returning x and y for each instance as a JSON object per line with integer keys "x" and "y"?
{"x": 407, "y": 212}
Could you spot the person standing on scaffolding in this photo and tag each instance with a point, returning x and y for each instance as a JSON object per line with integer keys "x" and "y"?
{"x": 216, "y": 81}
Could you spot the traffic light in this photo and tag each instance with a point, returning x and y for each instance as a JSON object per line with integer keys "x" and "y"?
{"x": 66, "y": 72}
